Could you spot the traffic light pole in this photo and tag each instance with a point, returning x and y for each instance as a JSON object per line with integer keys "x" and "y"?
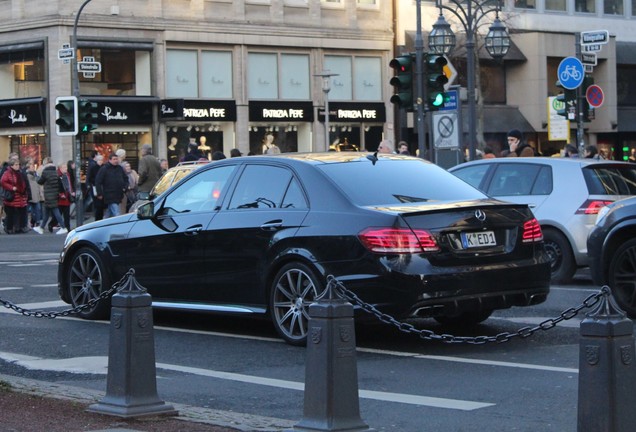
{"x": 419, "y": 85}
{"x": 77, "y": 148}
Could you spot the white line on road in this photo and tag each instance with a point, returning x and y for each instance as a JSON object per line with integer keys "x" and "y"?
{"x": 10, "y": 288}
{"x": 99, "y": 365}
{"x": 54, "y": 285}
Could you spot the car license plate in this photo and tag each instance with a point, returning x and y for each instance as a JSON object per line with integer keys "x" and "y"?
{"x": 478, "y": 239}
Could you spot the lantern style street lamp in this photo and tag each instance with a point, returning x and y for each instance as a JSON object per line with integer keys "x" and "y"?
{"x": 441, "y": 40}
{"x": 326, "y": 88}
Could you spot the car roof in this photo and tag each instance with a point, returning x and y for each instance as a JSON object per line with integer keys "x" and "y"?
{"x": 324, "y": 157}
{"x": 540, "y": 160}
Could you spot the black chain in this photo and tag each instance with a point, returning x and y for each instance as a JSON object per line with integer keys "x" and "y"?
{"x": 524, "y": 332}
{"x": 79, "y": 308}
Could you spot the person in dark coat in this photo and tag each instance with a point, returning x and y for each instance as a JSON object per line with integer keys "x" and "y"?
{"x": 98, "y": 204}
{"x": 52, "y": 188}
{"x": 149, "y": 169}
{"x": 16, "y": 209}
{"x": 517, "y": 147}
{"x": 111, "y": 183}
{"x": 194, "y": 154}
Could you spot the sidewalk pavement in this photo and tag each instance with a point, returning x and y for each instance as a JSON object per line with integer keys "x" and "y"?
{"x": 48, "y": 406}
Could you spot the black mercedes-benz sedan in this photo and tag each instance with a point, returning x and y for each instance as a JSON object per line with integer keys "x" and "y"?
{"x": 260, "y": 234}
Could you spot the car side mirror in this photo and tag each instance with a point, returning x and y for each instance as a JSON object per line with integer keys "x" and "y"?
{"x": 146, "y": 211}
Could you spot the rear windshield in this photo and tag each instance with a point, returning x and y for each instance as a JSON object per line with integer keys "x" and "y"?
{"x": 611, "y": 179}
{"x": 398, "y": 181}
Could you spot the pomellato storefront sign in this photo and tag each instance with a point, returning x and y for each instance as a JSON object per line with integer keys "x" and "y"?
{"x": 354, "y": 112}
{"x": 113, "y": 113}
{"x": 197, "y": 110}
{"x": 20, "y": 113}
{"x": 275, "y": 111}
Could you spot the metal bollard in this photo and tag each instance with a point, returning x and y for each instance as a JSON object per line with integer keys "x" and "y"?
{"x": 606, "y": 370}
{"x": 131, "y": 389}
{"x": 331, "y": 375}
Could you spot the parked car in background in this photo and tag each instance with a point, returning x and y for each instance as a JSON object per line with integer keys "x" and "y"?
{"x": 260, "y": 235}
{"x": 611, "y": 248}
{"x": 171, "y": 177}
{"x": 564, "y": 194}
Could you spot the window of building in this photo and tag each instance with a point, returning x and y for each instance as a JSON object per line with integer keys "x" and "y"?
{"x": 633, "y": 7}
{"x": 626, "y": 85}
{"x": 368, "y": 4}
{"x": 181, "y": 73}
{"x": 525, "y": 4}
{"x": 216, "y": 74}
{"x": 333, "y": 3}
{"x": 555, "y": 5}
{"x": 22, "y": 74}
{"x": 358, "y": 78}
{"x": 123, "y": 72}
{"x": 278, "y": 76}
{"x": 585, "y": 6}
{"x": 613, "y": 7}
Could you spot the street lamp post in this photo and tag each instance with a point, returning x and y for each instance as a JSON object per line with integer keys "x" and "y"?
{"x": 326, "y": 88}
{"x": 77, "y": 148}
{"x": 442, "y": 40}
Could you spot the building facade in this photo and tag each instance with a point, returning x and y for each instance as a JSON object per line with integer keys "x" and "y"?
{"x": 223, "y": 74}
{"x": 515, "y": 92}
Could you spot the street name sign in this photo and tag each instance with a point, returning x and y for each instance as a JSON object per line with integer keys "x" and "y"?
{"x": 65, "y": 53}
{"x": 589, "y": 59}
{"x": 94, "y": 67}
{"x": 594, "y": 37}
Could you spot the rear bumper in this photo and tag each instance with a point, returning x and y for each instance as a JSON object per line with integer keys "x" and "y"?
{"x": 455, "y": 290}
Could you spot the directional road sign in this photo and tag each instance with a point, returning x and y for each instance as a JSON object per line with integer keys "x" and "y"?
{"x": 570, "y": 73}
{"x": 594, "y": 95}
{"x": 594, "y": 37}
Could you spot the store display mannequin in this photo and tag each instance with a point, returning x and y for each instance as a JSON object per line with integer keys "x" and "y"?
{"x": 204, "y": 148}
{"x": 269, "y": 147}
{"x": 173, "y": 152}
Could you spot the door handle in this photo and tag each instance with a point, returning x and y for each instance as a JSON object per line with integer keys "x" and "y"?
{"x": 272, "y": 225}
{"x": 193, "y": 230}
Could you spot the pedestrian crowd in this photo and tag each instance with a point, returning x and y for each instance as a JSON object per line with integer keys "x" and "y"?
{"x": 41, "y": 198}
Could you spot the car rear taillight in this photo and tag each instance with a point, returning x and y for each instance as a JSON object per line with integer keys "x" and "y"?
{"x": 398, "y": 240}
{"x": 592, "y": 207}
{"x": 531, "y": 231}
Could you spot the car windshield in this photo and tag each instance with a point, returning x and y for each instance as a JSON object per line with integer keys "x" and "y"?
{"x": 611, "y": 179}
{"x": 398, "y": 181}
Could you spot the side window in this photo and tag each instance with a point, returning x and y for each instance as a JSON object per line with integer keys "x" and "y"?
{"x": 543, "y": 183}
{"x": 164, "y": 183}
{"x": 294, "y": 198}
{"x": 513, "y": 179}
{"x": 473, "y": 175}
{"x": 199, "y": 193}
{"x": 261, "y": 187}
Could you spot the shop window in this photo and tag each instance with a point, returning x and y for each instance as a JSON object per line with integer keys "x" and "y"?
{"x": 181, "y": 73}
{"x": 613, "y": 7}
{"x": 278, "y": 76}
{"x": 555, "y": 5}
{"x": 341, "y": 88}
{"x": 22, "y": 74}
{"x": 119, "y": 72}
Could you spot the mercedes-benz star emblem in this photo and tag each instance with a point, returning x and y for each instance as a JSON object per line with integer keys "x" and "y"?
{"x": 480, "y": 215}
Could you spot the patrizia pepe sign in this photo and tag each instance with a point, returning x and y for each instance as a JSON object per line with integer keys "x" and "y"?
{"x": 281, "y": 111}
{"x": 197, "y": 110}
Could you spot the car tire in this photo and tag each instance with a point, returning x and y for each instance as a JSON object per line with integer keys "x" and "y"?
{"x": 87, "y": 279}
{"x": 621, "y": 277}
{"x": 464, "y": 319}
{"x": 293, "y": 289}
{"x": 562, "y": 265}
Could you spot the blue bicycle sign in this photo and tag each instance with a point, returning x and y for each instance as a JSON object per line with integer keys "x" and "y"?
{"x": 570, "y": 73}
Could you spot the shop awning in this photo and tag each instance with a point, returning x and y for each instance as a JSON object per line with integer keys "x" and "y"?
{"x": 500, "y": 119}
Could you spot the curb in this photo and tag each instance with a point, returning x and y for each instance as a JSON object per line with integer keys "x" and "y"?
{"x": 243, "y": 422}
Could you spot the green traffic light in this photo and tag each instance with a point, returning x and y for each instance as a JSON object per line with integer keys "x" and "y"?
{"x": 438, "y": 100}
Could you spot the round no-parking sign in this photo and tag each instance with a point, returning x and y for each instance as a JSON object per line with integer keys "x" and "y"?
{"x": 594, "y": 95}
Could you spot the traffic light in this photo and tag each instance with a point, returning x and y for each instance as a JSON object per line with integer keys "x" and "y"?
{"x": 403, "y": 81}
{"x": 66, "y": 115}
{"x": 566, "y": 102}
{"x": 87, "y": 116}
{"x": 435, "y": 81}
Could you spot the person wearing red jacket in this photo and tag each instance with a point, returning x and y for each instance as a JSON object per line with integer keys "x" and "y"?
{"x": 67, "y": 194}
{"x": 16, "y": 209}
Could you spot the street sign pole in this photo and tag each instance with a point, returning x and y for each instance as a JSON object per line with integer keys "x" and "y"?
{"x": 580, "y": 100}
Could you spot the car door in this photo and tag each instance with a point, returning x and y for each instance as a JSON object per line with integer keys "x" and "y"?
{"x": 168, "y": 250}
{"x": 264, "y": 211}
